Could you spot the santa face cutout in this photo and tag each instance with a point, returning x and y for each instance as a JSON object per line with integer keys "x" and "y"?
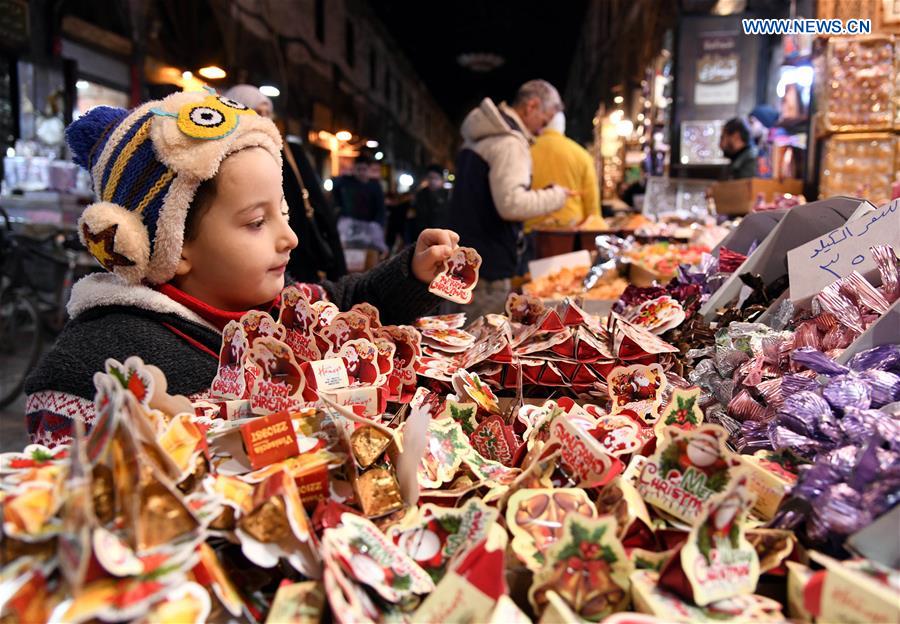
{"x": 296, "y": 312}
{"x": 326, "y": 311}
{"x": 370, "y": 311}
{"x": 524, "y": 309}
{"x": 280, "y": 383}
{"x": 361, "y": 359}
{"x": 638, "y": 388}
{"x": 298, "y": 318}
{"x": 230, "y": 382}
{"x": 458, "y": 278}
{"x": 344, "y": 327}
{"x": 260, "y": 324}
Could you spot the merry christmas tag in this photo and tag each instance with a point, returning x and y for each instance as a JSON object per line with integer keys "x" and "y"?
{"x": 299, "y": 319}
{"x": 280, "y": 384}
{"x": 230, "y": 382}
{"x": 688, "y": 468}
{"x": 457, "y": 279}
{"x": 582, "y": 456}
{"x": 716, "y": 562}
{"x": 657, "y": 315}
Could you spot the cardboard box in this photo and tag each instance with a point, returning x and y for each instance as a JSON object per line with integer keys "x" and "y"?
{"x": 549, "y": 243}
{"x": 800, "y": 225}
{"x": 737, "y": 197}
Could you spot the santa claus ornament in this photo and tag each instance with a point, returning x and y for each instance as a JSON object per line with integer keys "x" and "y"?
{"x": 458, "y": 277}
{"x": 688, "y": 468}
{"x": 716, "y": 562}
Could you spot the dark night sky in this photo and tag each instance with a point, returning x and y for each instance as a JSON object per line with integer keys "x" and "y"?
{"x": 536, "y": 39}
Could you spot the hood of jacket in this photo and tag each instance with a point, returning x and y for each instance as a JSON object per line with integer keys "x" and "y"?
{"x": 486, "y": 121}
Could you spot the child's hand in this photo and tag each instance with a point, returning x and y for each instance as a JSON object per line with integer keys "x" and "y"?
{"x": 432, "y": 249}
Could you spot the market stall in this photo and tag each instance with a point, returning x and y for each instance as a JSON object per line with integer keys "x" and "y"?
{"x": 647, "y": 464}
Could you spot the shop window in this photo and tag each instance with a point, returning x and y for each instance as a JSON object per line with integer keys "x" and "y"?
{"x": 320, "y": 20}
{"x": 90, "y": 94}
{"x": 350, "y": 42}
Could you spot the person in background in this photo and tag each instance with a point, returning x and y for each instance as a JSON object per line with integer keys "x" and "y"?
{"x": 361, "y": 210}
{"x": 398, "y": 206}
{"x": 735, "y": 144}
{"x": 358, "y": 196}
{"x": 494, "y": 194}
{"x": 320, "y": 254}
{"x": 761, "y": 120}
{"x": 432, "y": 202}
{"x": 558, "y": 159}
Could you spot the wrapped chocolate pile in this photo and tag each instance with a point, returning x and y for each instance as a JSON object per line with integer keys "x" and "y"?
{"x": 347, "y": 471}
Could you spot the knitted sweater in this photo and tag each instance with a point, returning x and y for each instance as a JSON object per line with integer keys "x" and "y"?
{"x": 111, "y": 319}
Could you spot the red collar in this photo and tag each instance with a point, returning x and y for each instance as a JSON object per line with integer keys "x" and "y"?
{"x": 214, "y": 316}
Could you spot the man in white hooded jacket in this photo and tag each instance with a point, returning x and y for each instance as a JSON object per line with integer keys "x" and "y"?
{"x": 493, "y": 194}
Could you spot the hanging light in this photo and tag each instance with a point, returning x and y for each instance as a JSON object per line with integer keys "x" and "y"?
{"x": 379, "y": 155}
{"x": 212, "y": 72}
{"x": 269, "y": 91}
{"x": 344, "y": 135}
{"x": 371, "y": 144}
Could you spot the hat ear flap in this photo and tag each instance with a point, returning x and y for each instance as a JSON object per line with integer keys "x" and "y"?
{"x": 117, "y": 238}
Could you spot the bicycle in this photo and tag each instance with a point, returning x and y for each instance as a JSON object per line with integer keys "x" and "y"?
{"x": 36, "y": 278}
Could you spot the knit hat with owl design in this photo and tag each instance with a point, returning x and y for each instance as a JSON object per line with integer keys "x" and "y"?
{"x": 146, "y": 165}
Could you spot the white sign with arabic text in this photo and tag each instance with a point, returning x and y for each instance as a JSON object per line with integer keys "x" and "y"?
{"x": 818, "y": 263}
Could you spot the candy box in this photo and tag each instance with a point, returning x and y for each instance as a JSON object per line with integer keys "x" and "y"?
{"x": 854, "y": 591}
{"x": 649, "y": 598}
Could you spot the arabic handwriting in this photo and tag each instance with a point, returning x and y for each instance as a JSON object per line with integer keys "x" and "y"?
{"x": 824, "y": 267}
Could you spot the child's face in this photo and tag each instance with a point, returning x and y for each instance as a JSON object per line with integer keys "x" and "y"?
{"x": 238, "y": 258}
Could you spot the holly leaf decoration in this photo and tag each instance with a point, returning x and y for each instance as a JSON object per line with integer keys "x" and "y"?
{"x": 40, "y": 455}
{"x": 668, "y": 460}
{"x": 608, "y": 555}
{"x": 734, "y": 535}
{"x": 464, "y": 417}
{"x": 450, "y": 524}
{"x": 118, "y": 376}
{"x": 704, "y": 542}
{"x": 580, "y": 533}
{"x": 718, "y": 480}
{"x": 687, "y": 404}
{"x": 402, "y": 582}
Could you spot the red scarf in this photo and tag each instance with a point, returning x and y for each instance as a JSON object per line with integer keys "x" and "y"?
{"x": 214, "y": 316}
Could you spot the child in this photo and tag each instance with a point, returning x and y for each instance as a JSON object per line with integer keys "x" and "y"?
{"x": 191, "y": 224}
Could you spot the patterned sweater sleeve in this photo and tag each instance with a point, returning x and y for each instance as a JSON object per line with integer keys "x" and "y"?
{"x": 390, "y": 287}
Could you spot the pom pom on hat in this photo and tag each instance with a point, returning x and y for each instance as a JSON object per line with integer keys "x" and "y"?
{"x": 86, "y": 131}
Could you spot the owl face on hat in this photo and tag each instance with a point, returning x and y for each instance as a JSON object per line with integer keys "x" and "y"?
{"x": 146, "y": 165}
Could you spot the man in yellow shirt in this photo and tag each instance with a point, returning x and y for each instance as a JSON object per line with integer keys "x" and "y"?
{"x": 559, "y": 160}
